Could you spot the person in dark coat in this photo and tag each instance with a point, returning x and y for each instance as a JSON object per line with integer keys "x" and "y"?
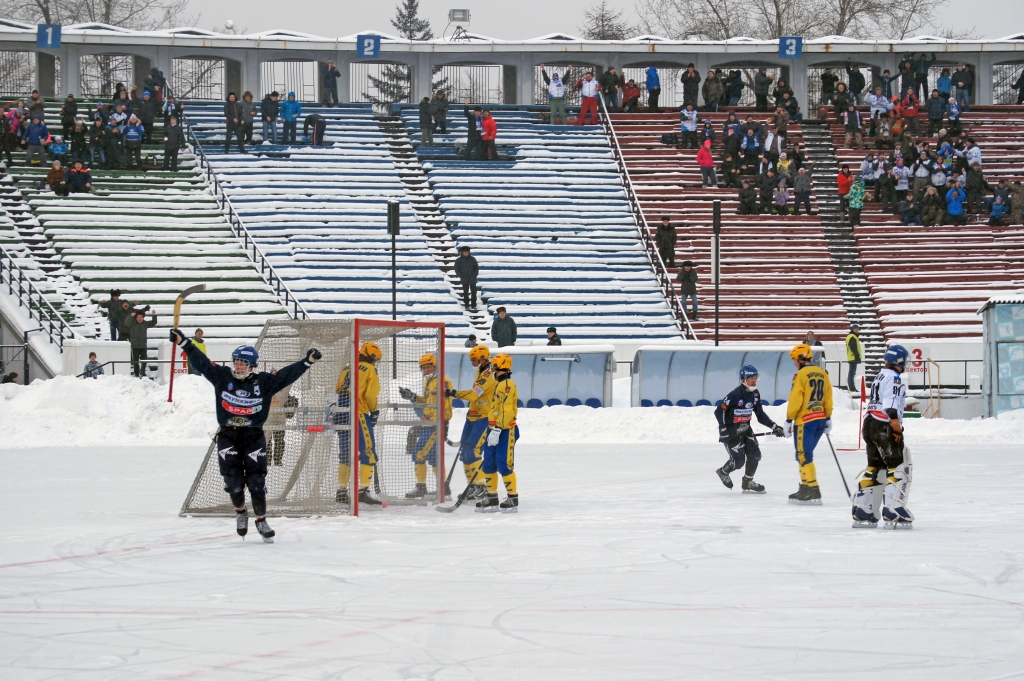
{"x": 116, "y": 311}
{"x": 439, "y": 111}
{"x": 503, "y": 329}
{"x": 426, "y": 123}
{"x": 553, "y": 337}
{"x": 319, "y": 125}
{"x": 68, "y": 114}
{"x": 331, "y": 75}
{"x": 233, "y": 122}
{"x": 665, "y": 239}
{"x": 691, "y": 85}
{"x": 475, "y": 125}
{"x": 270, "y": 111}
{"x": 467, "y": 270}
{"x": 687, "y": 279}
{"x": 146, "y": 111}
{"x": 174, "y": 140}
{"x": 748, "y": 200}
{"x": 138, "y": 335}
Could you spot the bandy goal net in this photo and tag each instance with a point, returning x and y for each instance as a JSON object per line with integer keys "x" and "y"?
{"x": 314, "y": 424}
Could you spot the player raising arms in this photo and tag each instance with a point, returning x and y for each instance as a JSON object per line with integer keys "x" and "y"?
{"x": 243, "y": 404}
{"x": 499, "y": 454}
{"x": 888, "y": 456}
{"x": 808, "y": 418}
{"x": 734, "y": 414}
{"x": 422, "y": 441}
{"x": 474, "y": 433}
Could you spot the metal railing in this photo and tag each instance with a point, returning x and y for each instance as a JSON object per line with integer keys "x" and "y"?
{"x": 922, "y": 377}
{"x": 266, "y": 270}
{"x": 660, "y": 271}
{"x": 38, "y": 307}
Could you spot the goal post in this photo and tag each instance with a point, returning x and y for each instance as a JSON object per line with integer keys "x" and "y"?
{"x": 313, "y": 424}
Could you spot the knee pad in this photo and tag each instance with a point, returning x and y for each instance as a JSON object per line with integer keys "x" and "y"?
{"x": 234, "y": 483}
{"x": 238, "y": 499}
{"x": 257, "y": 484}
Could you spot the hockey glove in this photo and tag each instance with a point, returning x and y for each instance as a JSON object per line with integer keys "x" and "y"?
{"x": 372, "y": 417}
{"x": 777, "y": 431}
{"x": 723, "y": 434}
{"x": 493, "y": 435}
{"x": 449, "y": 392}
{"x": 177, "y": 337}
{"x": 828, "y": 426}
{"x": 313, "y": 356}
{"x": 788, "y": 431}
{"x": 406, "y": 393}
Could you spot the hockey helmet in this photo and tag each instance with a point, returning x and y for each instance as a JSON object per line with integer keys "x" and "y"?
{"x": 747, "y": 372}
{"x": 428, "y": 358}
{"x": 247, "y": 354}
{"x": 896, "y": 356}
{"x": 802, "y": 351}
{"x": 502, "y": 362}
{"x": 480, "y": 352}
{"x": 371, "y": 350}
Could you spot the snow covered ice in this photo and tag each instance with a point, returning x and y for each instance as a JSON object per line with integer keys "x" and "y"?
{"x": 628, "y": 558}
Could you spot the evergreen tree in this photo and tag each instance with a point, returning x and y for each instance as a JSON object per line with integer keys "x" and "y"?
{"x": 408, "y": 22}
{"x": 601, "y": 22}
{"x": 394, "y": 84}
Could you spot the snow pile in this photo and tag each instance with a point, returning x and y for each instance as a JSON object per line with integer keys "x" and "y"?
{"x": 110, "y": 410}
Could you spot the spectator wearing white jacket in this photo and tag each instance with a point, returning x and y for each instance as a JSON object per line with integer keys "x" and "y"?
{"x": 877, "y": 105}
{"x": 556, "y": 96}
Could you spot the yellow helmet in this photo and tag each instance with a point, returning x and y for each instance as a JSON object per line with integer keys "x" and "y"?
{"x": 428, "y": 359}
{"x": 480, "y": 352}
{"x": 371, "y": 350}
{"x": 502, "y": 362}
{"x": 802, "y": 351}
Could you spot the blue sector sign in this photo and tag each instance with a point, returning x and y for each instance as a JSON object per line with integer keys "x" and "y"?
{"x": 368, "y": 46}
{"x": 48, "y": 35}
{"x": 791, "y": 47}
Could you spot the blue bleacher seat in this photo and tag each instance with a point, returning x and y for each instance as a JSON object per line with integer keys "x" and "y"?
{"x": 458, "y": 404}
{"x": 573, "y": 402}
{"x": 646, "y": 403}
{"x": 684, "y": 403}
{"x": 534, "y": 403}
{"x": 664, "y": 403}
{"x": 703, "y": 403}
{"x": 554, "y": 402}
{"x": 593, "y": 402}
{"x": 718, "y": 402}
{"x": 778, "y": 403}
{"x": 519, "y": 403}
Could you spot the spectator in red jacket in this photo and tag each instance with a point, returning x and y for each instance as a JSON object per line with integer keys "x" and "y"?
{"x": 845, "y": 182}
{"x": 630, "y": 97}
{"x": 908, "y": 110}
{"x": 707, "y": 165}
{"x": 487, "y": 135}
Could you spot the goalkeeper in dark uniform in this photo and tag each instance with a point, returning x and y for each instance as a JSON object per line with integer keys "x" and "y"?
{"x": 243, "y": 404}
{"x": 734, "y": 415}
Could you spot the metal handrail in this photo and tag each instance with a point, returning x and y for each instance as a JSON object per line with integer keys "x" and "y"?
{"x": 43, "y": 312}
{"x": 266, "y": 270}
{"x": 660, "y": 271}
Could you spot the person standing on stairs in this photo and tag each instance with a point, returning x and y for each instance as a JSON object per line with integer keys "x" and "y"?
{"x": 654, "y": 89}
{"x": 174, "y": 141}
{"x": 233, "y": 122}
{"x": 488, "y": 137}
{"x": 331, "y": 75}
{"x": 589, "y": 91}
{"x": 270, "y": 109}
{"x": 475, "y": 126}
{"x": 556, "y": 97}
{"x": 467, "y": 270}
{"x": 503, "y": 329}
{"x": 290, "y": 112}
{"x": 854, "y": 356}
{"x": 707, "y": 165}
{"x": 249, "y": 113}
{"x": 439, "y": 109}
{"x": 665, "y": 238}
{"x": 426, "y": 123}
{"x": 687, "y": 279}
{"x": 138, "y": 336}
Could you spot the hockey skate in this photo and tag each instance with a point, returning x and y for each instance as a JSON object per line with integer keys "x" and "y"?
{"x": 264, "y": 529}
{"x": 510, "y": 505}
{"x": 806, "y": 496}
{"x": 488, "y": 504}
{"x": 241, "y": 523}
{"x": 898, "y": 518}
{"x": 419, "y": 492}
{"x": 751, "y": 487}
{"x": 476, "y": 492}
{"x": 365, "y": 498}
{"x": 862, "y": 518}
{"x": 724, "y": 477}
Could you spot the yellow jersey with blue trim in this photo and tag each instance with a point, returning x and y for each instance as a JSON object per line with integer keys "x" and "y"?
{"x": 426, "y": 404}
{"x": 810, "y": 398}
{"x": 504, "y": 405}
{"x": 369, "y": 388}
{"x": 480, "y": 395}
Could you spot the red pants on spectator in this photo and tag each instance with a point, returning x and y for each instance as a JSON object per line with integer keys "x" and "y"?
{"x": 588, "y": 105}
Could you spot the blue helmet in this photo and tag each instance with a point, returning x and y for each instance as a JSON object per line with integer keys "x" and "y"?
{"x": 748, "y": 371}
{"x": 896, "y": 355}
{"x": 246, "y": 353}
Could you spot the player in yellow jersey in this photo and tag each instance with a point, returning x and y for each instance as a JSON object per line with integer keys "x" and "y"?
{"x": 474, "y": 433}
{"x": 366, "y": 419}
{"x": 808, "y": 418}
{"x": 422, "y": 441}
{"x": 499, "y": 454}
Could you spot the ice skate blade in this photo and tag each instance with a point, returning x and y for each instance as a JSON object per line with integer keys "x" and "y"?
{"x": 489, "y": 509}
{"x": 864, "y": 524}
{"x": 898, "y": 525}
{"x": 807, "y": 502}
{"x": 514, "y": 509}
{"x": 751, "y": 491}
{"x": 268, "y": 540}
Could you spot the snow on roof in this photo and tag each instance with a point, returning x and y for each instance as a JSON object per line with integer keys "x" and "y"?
{"x": 1014, "y": 298}
{"x": 648, "y": 38}
{"x": 96, "y": 26}
{"x": 382, "y": 34}
{"x": 1015, "y": 36}
{"x": 185, "y": 30}
{"x": 467, "y": 37}
{"x": 833, "y": 39}
{"x": 926, "y": 39}
{"x": 555, "y": 36}
{"x": 285, "y": 35}
{"x": 7, "y": 23}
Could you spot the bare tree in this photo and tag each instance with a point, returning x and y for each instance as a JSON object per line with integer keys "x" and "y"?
{"x": 601, "y": 22}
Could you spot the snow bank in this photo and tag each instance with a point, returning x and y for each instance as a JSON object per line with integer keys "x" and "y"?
{"x": 118, "y": 410}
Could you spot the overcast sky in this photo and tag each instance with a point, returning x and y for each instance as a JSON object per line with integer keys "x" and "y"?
{"x": 507, "y": 20}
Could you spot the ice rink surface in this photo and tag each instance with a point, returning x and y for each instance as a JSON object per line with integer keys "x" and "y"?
{"x": 624, "y": 563}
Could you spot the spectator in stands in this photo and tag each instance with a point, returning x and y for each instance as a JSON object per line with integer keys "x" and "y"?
{"x": 691, "y": 82}
{"x": 55, "y": 180}
{"x": 855, "y": 200}
{"x": 439, "y": 110}
{"x": 845, "y": 182}
{"x": 665, "y": 239}
{"x": 197, "y": 340}
{"x": 910, "y": 209}
{"x": 767, "y": 182}
{"x": 854, "y": 355}
{"x": 318, "y": 125}
{"x": 731, "y": 171}
{"x": 426, "y": 123}
{"x": 944, "y": 85}
{"x": 92, "y": 367}
{"x": 852, "y": 127}
{"x": 1016, "y": 201}
{"x": 290, "y": 112}
{"x": 36, "y": 105}
{"x": 123, "y": 100}
{"x": 125, "y": 326}
{"x": 35, "y": 137}
{"x": 1001, "y": 189}
{"x": 765, "y": 164}
{"x": 922, "y": 173}
{"x": 471, "y": 341}
{"x": 653, "y": 83}
{"x": 146, "y": 112}
{"x": 138, "y": 336}
{"x": 133, "y": 134}
{"x": 870, "y": 169}
{"x": 971, "y": 153}
{"x": 734, "y": 87}
{"x": 467, "y": 270}
{"x": 503, "y": 329}
{"x": 270, "y": 110}
{"x": 731, "y": 141}
{"x": 933, "y": 207}
{"x": 856, "y": 81}
{"x": 474, "y": 127}
{"x": 902, "y": 174}
{"x": 712, "y": 91}
{"x": 883, "y": 134}
{"x": 116, "y": 311}
{"x": 249, "y": 113}
{"x": 779, "y": 92}
{"x": 1018, "y": 85}
{"x": 233, "y": 123}
{"x": 963, "y": 80}
{"x": 910, "y": 106}
{"x": 792, "y": 107}
{"x": 589, "y": 90}
{"x": 762, "y": 84}
{"x": 331, "y": 74}
{"x": 79, "y": 179}
{"x": 976, "y": 186}
{"x": 630, "y": 97}
{"x": 955, "y": 198}
{"x": 689, "y": 119}
{"x": 57, "y": 149}
{"x": 780, "y": 120}
{"x": 953, "y": 114}
{"x": 999, "y": 210}
{"x": 687, "y": 279}
{"x": 797, "y": 156}
{"x": 751, "y": 147}
{"x": 707, "y": 134}
{"x": 748, "y": 199}
{"x": 174, "y": 140}
{"x": 553, "y": 337}
{"x": 785, "y": 169}
{"x": 921, "y": 67}
{"x": 828, "y": 86}
{"x": 780, "y": 199}
{"x": 488, "y": 137}
{"x": 884, "y": 81}
{"x": 155, "y": 82}
{"x": 878, "y": 104}
{"x": 774, "y": 144}
{"x": 815, "y": 342}
{"x": 68, "y": 115}
{"x": 936, "y": 106}
{"x": 9, "y": 378}
{"x": 9, "y": 141}
{"x": 841, "y": 101}
{"x": 802, "y": 191}
{"x": 115, "y": 138}
{"x": 611, "y": 83}
{"x": 707, "y": 165}
{"x": 172, "y": 109}
{"x": 556, "y": 97}
{"x": 906, "y": 72}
